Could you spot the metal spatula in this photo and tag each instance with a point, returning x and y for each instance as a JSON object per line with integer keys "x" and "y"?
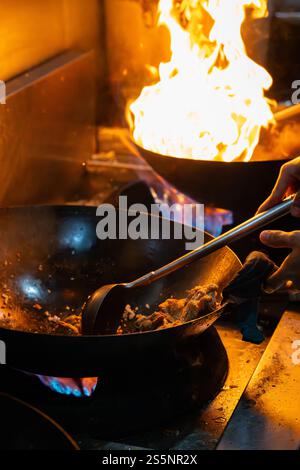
{"x": 103, "y": 311}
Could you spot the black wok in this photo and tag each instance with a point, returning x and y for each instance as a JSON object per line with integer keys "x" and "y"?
{"x": 217, "y": 183}
{"x": 51, "y": 257}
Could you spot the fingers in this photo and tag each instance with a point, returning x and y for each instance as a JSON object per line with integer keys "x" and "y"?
{"x": 276, "y": 281}
{"x": 279, "y": 282}
{"x": 295, "y": 211}
{"x": 288, "y": 273}
{"x": 267, "y": 204}
{"x": 288, "y": 181}
{"x": 279, "y": 239}
{"x": 280, "y": 188}
{"x": 271, "y": 201}
{"x": 285, "y": 180}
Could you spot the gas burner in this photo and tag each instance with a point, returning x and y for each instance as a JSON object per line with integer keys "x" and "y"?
{"x": 130, "y": 399}
{"x": 83, "y": 387}
{"x": 42, "y": 434}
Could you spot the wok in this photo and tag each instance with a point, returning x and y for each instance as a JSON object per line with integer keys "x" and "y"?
{"x": 50, "y": 256}
{"x": 217, "y": 183}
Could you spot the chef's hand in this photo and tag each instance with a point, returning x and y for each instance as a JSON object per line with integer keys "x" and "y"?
{"x": 287, "y": 183}
{"x": 288, "y": 274}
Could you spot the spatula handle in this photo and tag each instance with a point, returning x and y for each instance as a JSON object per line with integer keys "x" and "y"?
{"x": 255, "y": 223}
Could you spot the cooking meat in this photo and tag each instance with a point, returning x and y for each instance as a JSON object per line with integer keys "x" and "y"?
{"x": 199, "y": 301}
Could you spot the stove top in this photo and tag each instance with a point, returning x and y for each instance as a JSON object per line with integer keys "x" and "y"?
{"x": 187, "y": 407}
{"x": 176, "y": 410}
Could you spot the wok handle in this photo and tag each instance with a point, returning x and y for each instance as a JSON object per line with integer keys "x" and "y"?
{"x": 257, "y": 222}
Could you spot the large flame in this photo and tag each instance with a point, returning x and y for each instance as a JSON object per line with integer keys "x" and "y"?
{"x": 209, "y": 101}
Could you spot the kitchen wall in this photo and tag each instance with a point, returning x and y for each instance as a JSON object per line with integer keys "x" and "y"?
{"x": 33, "y": 31}
{"x": 48, "y": 124}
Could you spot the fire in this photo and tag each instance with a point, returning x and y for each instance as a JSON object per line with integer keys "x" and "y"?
{"x": 209, "y": 102}
{"x": 74, "y": 387}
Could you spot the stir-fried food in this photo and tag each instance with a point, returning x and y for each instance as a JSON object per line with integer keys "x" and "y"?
{"x": 199, "y": 301}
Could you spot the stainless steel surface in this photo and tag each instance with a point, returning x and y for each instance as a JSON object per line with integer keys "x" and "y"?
{"x": 211, "y": 422}
{"x": 267, "y": 417}
{"x": 31, "y": 32}
{"x": 34, "y": 31}
{"x": 48, "y": 130}
{"x": 257, "y": 222}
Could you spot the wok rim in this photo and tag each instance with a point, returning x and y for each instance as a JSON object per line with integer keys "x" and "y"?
{"x": 126, "y": 335}
{"x": 218, "y": 311}
{"x": 141, "y": 150}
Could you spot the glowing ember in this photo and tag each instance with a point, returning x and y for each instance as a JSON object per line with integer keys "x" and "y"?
{"x": 209, "y": 102}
